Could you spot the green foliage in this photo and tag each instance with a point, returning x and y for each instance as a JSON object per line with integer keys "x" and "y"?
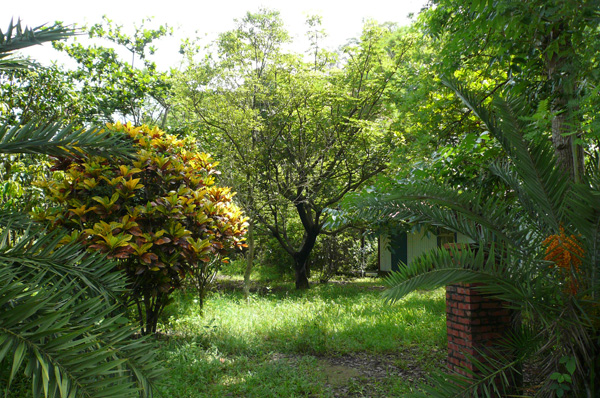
{"x": 46, "y": 94}
{"x": 512, "y": 231}
{"x": 52, "y": 318}
{"x": 296, "y": 135}
{"x": 243, "y": 347}
{"x": 159, "y": 214}
{"x": 17, "y": 37}
{"x": 435, "y": 136}
{"x": 62, "y": 327}
{"x": 110, "y": 88}
{"x": 347, "y": 253}
{"x": 563, "y": 380}
{"x": 544, "y": 50}
{"x": 57, "y": 140}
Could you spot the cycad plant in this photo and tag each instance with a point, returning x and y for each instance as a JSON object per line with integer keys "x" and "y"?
{"x": 61, "y": 324}
{"x": 536, "y": 246}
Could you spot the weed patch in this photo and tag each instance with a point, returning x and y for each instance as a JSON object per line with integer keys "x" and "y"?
{"x": 328, "y": 341}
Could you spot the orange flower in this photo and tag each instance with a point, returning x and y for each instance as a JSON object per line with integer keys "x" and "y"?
{"x": 566, "y": 253}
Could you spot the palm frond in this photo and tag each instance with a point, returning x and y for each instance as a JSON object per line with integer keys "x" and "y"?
{"x": 15, "y": 63}
{"x": 494, "y": 372}
{"x": 500, "y": 274}
{"x": 13, "y": 220}
{"x": 584, "y": 212}
{"x": 534, "y": 163}
{"x": 70, "y": 344}
{"x": 441, "y": 267}
{"x": 483, "y": 219}
{"x": 58, "y": 140}
{"x": 17, "y": 37}
{"x": 38, "y": 251}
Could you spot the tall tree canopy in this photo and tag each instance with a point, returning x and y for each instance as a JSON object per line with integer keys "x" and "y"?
{"x": 544, "y": 50}
{"x": 301, "y": 134}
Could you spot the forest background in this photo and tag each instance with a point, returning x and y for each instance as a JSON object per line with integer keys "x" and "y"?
{"x": 306, "y": 139}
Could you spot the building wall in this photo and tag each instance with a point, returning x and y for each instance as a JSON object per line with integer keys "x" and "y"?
{"x": 419, "y": 243}
{"x": 385, "y": 255}
{"x": 416, "y": 243}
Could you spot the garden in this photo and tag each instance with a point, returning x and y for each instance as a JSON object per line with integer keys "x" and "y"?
{"x": 220, "y": 229}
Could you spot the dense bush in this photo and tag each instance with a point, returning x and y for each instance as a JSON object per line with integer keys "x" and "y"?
{"x": 159, "y": 214}
{"x": 348, "y": 253}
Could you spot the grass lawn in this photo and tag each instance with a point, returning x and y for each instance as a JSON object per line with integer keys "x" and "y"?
{"x": 334, "y": 340}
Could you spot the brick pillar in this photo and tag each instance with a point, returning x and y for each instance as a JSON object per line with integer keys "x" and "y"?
{"x": 474, "y": 322}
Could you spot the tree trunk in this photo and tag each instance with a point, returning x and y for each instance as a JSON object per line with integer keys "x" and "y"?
{"x": 569, "y": 156}
{"x": 249, "y": 260}
{"x": 301, "y": 259}
{"x": 301, "y": 274}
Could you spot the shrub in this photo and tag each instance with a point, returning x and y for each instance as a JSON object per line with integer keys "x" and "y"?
{"x": 159, "y": 214}
{"x": 347, "y": 253}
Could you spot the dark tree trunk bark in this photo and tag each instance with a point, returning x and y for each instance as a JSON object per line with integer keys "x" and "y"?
{"x": 301, "y": 276}
{"x": 301, "y": 259}
{"x": 569, "y": 156}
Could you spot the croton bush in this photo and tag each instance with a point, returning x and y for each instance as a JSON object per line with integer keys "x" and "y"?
{"x": 160, "y": 214}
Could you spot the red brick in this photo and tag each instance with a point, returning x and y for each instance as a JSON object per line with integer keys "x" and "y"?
{"x": 465, "y": 320}
{"x": 491, "y": 305}
{"x": 458, "y": 312}
{"x": 454, "y": 361}
{"x": 501, "y": 313}
{"x": 463, "y": 291}
{"x": 473, "y": 299}
{"x": 474, "y": 322}
{"x": 453, "y": 332}
{"x": 458, "y": 297}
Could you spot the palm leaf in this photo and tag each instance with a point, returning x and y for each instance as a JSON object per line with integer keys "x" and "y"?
{"x": 69, "y": 264}
{"x": 483, "y": 219}
{"x": 59, "y": 140}
{"x": 534, "y": 164}
{"x": 70, "y": 344}
{"x": 60, "y": 319}
{"x": 17, "y": 37}
{"x": 584, "y": 212}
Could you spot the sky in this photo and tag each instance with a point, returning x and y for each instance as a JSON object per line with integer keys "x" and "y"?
{"x": 342, "y": 20}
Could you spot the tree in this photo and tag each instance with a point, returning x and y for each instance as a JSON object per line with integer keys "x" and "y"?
{"x": 112, "y": 89}
{"x": 61, "y": 304}
{"x": 544, "y": 49}
{"x": 35, "y": 93}
{"x": 435, "y": 136}
{"x": 536, "y": 247}
{"x": 300, "y": 134}
{"x": 160, "y": 214}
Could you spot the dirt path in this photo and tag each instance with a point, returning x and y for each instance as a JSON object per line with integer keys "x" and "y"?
{"x": 364, "y": 375}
